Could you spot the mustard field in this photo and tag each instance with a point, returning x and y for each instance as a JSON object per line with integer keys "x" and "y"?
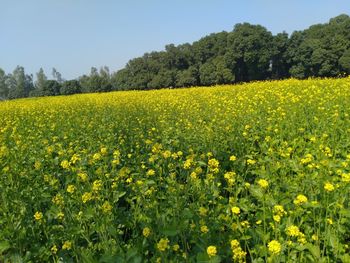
{"x": 256, "y": 172}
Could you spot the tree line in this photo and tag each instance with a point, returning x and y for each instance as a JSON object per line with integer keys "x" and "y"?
{"x": 249, "y": 52}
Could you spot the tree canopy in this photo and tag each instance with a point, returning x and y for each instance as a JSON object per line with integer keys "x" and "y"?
{"x": 247, "y": 53}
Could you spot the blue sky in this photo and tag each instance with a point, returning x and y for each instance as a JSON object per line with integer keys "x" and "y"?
{"x": 74, "y": 35}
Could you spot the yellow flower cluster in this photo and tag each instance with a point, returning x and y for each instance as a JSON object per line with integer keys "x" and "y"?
{"x": 301, "y": 199}
{"x": 163, "y": 244}
{"x": 239, "y": 255}
{"x": 211, "y": 251}
{"x": 274, "y": 247}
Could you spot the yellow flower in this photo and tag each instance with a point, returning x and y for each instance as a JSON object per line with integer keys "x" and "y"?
{"x": 245, "y": 224}
{"x": 67, "y": 245}
{"x": 213, "y": 165}
{"x": 103, "y": 151}
{"x": 211, "y": 251}
{"x": 345, "y": 177}
{"x": 58, "y": 200}
{"x": 263, "y": 183}
{"x": 188, "y": 164}
{"x": 234, "y": 244}
{"x": 328, "y": 187}
{"x": 251, "y": 162}
{"x": 150, "y": 172}
{"x": 301, "y": 199}
{"x": 193, "y": 176}
{"x": 87, "y": 196}
{"x": 37, "y": 165}
{"x": 83, "y": 177}
{"x": 293, "y": 231}
{"x": 54, "y": 249}
{"x": 60, "y": 215}
{"x": 176, "y": 247}
{"x": 146, "y": 232}
{"x": 204, "y": 229}
{"x": 106, "y": 207}
{"x": 235, "y": 210}
{"x": 65, "y": 164}
{"x": 274, "y": 247}
{"x": 277, "y": 218}
{"x": 70, "y": 189}
{"x": 96, "y": 156}
{"x": 203, "y": 211}
{"x": 75, "y": 158}
{"x": 38, "y": 216}
{"x": 97, "y": 185}
{"x": 233, "y": 158}
{"x": 279, "y": 210}
{"x": 166, "y": 154}
{"x": 163, "y": 244}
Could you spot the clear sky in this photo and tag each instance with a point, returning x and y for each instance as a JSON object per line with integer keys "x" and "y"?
{"x": 74, "y": 35}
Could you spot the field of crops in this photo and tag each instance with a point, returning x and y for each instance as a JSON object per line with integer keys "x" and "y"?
{"x": 255, "y": 172}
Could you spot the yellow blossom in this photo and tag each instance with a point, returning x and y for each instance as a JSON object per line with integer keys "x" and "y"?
{"x": 203, "y": 211}
{"x": 328, "y": 187}
{"x": 233, "y": 158}
{"x": 204, "y": 229}
{"x": 176, "y": 247}
{"x": 38, "y": 216}
{"x": 211, "y": 251}
{"x": 106, "y": 207}
{"x": 301, "y": 199}
{"x": 87, "y": 196}
{"x": 263, "y": 183}
{"x": 146, "y": 232}
{"x": 274, "y": 247}
{"x": 293, "y": 231}
{"x": 163, "y": 244}
{"x": 67, "y": 245}
{"x": 65, "y": 164}
{"x": 235, "y": 210}
{"x": 54, "y": 249}
{"x": 150, "y": 172}
{"x": 71, "y": 188}
{"x": 83, "y": 176}
{"x": 97, "y": 185}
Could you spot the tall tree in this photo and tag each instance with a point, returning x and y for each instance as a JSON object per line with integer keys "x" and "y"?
{"x": 250, "y": 46}
{"x": 19, "y": 83}
{"x": 57, "y": 76}
{"x": 40, "y": 83}
{"x": 3, "y": 85}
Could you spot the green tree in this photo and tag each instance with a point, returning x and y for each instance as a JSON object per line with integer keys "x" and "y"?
{"x": 51, "y": 88}
{"x": 4, "y": 90}
{"x": 251, "y": 49}
{"x": 57, "y": 76}
{"x": 70, "y": 87}
{"x": 20, "y": 84}
{"x": 188, "y": 77}
{"x": 39, "y": 83}
{"x": 344, "y": 62}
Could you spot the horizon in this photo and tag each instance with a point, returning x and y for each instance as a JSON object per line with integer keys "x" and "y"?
{"x": 73, "y": 37}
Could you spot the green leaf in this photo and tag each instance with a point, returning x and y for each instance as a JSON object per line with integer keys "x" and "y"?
{"x": 256, "y": 192}
{"x": 204, "y": 258}
{"x": 315, "y": 251}
{"x": 170, "y": 231}
{"x": 4, "y": 245}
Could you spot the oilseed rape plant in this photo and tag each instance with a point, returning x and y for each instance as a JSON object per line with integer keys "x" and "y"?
{"x": 257, "y": 172}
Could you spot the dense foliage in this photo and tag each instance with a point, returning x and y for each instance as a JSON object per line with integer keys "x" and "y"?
{"x": 257, "y": 172}
{"x": 249, "y": 52}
